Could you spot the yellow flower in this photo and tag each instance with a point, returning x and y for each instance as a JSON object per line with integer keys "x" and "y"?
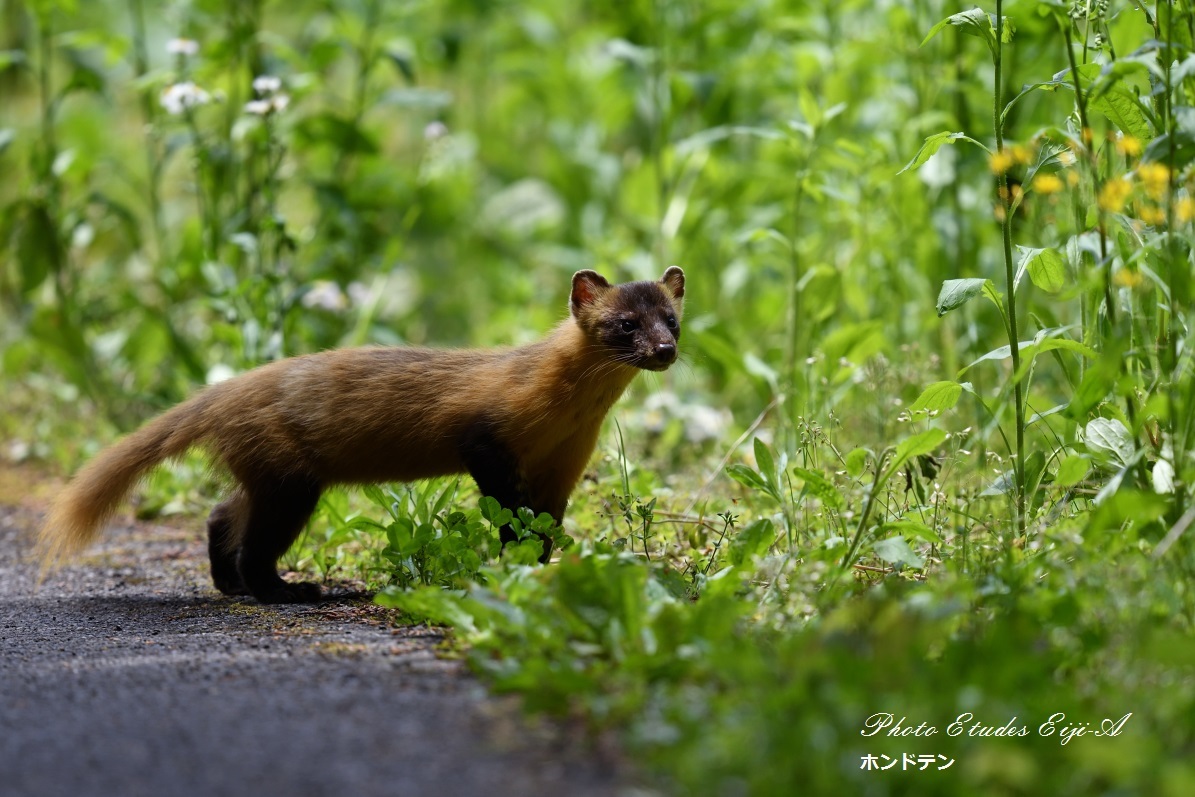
{"x": 1047, "y": 184}
{"x": 1128, "y": 146}
{"x": 1021, "y": 153}
{"x": 1114, "y": 193}
{"x": 1127, "y": 278}
{"x": 1185, "y": 209}
{"x": 1155, "y": 179}
{"x": 1152, "y": 214}
{"x": 1000, "y": 162}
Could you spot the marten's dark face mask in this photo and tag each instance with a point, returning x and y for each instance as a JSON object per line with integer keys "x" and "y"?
{"x": 638, "y": 321}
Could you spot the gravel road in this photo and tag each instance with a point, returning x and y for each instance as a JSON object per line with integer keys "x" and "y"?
{"x": 127, "y": 675}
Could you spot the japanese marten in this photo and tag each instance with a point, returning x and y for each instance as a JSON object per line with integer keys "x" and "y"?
{"x": 523, "y": 422}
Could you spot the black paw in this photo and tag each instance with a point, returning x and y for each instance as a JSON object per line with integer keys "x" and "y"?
{"x": 285, "y": 592}
{"x": 229, "y": 586}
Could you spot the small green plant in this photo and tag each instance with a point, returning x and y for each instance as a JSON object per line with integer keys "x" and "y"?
{"x": 427, "y": 544}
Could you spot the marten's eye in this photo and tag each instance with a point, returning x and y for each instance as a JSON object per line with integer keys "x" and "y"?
{"x": 670, "y": 322}
{"x": 629, "y": 325}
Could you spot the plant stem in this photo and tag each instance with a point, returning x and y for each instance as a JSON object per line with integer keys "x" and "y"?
{"x": 1084, "y": 139}
{"x": 1005, "y": 199}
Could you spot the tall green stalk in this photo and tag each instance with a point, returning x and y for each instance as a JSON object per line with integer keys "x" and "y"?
{"x": 1009, "y": 274}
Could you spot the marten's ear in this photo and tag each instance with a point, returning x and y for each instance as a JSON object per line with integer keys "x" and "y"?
{"x": 674, "y": 280}
{"x": 587, "y": 287}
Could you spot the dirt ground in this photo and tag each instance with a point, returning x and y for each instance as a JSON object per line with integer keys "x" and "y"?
{"x": 126, "y": 674}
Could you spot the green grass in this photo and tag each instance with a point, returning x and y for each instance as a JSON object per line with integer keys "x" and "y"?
{"x": 928, "y": 451}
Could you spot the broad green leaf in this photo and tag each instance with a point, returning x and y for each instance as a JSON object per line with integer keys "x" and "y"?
{"x": 1123, "y": 109}
{"x": 821, "y": 487}
{"x": 1162, "y": 477}
{"x": 754, "y": 540}
{"x": 895, "y": 550}
{"x": 956, "y": 293}
{"x": 924, "y": 443}
{"x": 938, "y": 396}
{"x": 1072, "y": 470}
{"x": 856, "y": 462}
{"x": 1109, "y": 441}
{"x": 1098, "y": 381}
{"x": 1046, "y": 268}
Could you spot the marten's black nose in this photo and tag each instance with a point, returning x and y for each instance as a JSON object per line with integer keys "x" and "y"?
{"x": 666, "y": 352}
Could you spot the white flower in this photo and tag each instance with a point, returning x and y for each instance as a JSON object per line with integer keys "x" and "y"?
{"x": 181, "y": 96}
{"x": 326, "y": 295}
{"x": 266, "y": 84}
{"x": 265, "y": 107}
{"x": 182, "y": 47}
{"x": 434, "y": 131}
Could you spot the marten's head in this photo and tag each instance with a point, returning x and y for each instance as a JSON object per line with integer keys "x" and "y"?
{"x": 639, "y": 322}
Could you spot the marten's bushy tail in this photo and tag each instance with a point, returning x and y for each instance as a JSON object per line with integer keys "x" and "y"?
{"x": 93, "y": 495}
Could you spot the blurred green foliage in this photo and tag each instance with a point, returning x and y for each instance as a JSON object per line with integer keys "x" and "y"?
{"x": 939, "y": 277}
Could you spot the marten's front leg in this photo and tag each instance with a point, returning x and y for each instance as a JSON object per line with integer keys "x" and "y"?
{"x": 496, "y": 470}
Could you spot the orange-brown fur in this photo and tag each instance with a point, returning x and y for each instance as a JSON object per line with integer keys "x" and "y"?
{"x": 390, "y": 414}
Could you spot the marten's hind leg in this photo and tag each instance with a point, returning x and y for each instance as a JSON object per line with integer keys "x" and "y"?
{"x": 225, "y": 527}
{"x": 278, "y": 510}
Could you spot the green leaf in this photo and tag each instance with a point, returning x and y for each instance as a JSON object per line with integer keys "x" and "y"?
{"x": 765, "y": 461}
{"x": 896, "y": 551}
{"x": 494, "y": 512}
{"x": 343, "y": 135}
{"x": 911, "y": 528}
{"x": 750, "y": 478}
{"x": 975, "y": 22}
{"x": 1029, "y": 349}
{"x": 1046, "y": 268}
{"x": 934, "y": 143}
{"x": 1109, "y": 441}
{"x": 856, "y": 462}
{"x": 1072, "y": 470}
{"x": 937, "y": 397}
{"x": 39, "y": 250}
{"x": 818, "y": 485}
{"x": 754, "y": 540}
{"x": 924, "y": 443}
{"x": 1098, "y": 381}
{"x": 956, "y": 293}
{"x": 1112, "y": 98}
